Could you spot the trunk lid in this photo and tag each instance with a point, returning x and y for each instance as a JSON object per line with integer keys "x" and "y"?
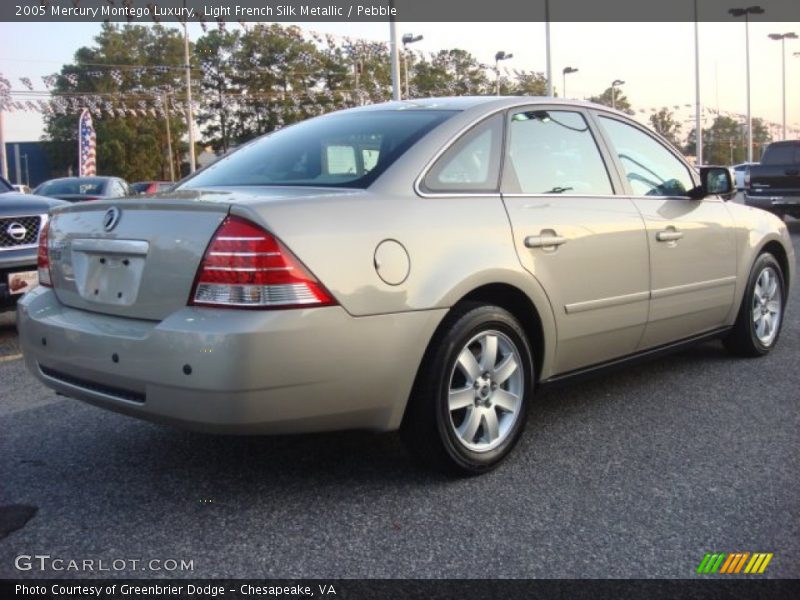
{"x": 144, "y": 266}
{"x": 130, "y": 258}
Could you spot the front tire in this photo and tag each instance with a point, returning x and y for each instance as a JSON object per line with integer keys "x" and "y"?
{"x": 758, "y": 324}
{"x": 469, "y": 404}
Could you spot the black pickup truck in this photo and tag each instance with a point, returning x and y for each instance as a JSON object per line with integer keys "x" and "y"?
{"x": 774, "y": 184}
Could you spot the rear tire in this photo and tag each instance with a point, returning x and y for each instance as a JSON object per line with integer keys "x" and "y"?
{"x": 470, "y": 400}
{"x": 758, "y": 324}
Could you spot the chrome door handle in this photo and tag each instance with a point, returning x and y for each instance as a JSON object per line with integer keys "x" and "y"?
{"x": 669, "y": 235}
{"x": 544, "y": 241}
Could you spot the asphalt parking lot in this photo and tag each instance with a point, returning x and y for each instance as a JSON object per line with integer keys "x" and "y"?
{"x": 633, "y": 474}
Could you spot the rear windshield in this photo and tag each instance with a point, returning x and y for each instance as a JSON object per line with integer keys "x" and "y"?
{"x": 782, "y": 154}
{"x": 79, "y": 187}
{"x": 347, "y": 150}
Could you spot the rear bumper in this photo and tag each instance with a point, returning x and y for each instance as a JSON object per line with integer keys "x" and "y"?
{"x": 231, "y": 371}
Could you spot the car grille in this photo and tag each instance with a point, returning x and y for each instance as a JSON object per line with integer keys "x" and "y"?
{"x": 9, "y": 225}
{"x": 91, "y": 386}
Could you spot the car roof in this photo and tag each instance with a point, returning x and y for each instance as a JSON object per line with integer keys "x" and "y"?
{"x": 96, "y": 177}
{"x": 462, "y": 103}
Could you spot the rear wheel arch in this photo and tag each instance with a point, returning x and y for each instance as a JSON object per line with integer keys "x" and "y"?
{"x": 524, "y": 310}
{"x": 505, "y": 296}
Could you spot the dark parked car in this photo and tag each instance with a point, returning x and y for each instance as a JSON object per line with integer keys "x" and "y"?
{"x": 150, "y": 187}
{"x": 21, "y": 219}
{"x": 79, "y": 189}
{"x": 774, "y": 185}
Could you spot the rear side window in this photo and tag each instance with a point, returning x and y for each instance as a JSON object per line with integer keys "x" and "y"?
{"x": 341, "y": 150}
{"x": 651, "y": 169}
{"x": 553, "y": 152}
{"x": 472, "y": 164}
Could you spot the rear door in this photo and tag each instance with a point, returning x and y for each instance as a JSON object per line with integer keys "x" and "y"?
{"x": 692, "y": 244}
{"x": 586, "y": 245}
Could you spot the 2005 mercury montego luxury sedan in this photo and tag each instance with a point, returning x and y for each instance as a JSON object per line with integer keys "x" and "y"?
{"x": 421, "y": 265}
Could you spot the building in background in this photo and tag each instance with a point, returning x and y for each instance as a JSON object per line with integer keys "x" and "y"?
{"x": 28, "y": 163}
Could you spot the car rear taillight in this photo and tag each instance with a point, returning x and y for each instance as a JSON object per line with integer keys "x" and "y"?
{"x": 747, "y": 178}
{"x": 43, "y": 257}
{"x": 246, "y": 267}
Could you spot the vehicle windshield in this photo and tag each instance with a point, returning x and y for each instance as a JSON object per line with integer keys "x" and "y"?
{"x": 78, "y": 187}
{"x": 347, "y": 150}
{"x": 5, "y": 186}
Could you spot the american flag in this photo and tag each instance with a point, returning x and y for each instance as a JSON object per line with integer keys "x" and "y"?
{"x": 87, "y": 143}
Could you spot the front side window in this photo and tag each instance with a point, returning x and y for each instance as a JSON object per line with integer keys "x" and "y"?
{"x": 651, "y": 169}
{"x": 472, "y": 164}
{"x": 343, "y": 150}
{"x": 554, "y": 152}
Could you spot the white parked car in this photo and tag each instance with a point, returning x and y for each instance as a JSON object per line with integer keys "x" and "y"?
{"x": 739, "y": 173}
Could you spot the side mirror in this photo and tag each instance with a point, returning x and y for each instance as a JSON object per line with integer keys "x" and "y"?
{"x": 714, "y": 181}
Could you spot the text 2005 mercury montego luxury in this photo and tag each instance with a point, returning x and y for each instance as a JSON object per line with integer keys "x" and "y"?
{"x": 420, "y": 265}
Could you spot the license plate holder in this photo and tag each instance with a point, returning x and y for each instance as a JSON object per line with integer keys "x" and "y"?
{"x": 22, "y": 281}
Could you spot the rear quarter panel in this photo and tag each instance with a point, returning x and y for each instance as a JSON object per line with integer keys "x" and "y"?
{"x": 454, "y": 246}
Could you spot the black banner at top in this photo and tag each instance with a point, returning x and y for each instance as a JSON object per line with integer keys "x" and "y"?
{"x": 233, "y": 11}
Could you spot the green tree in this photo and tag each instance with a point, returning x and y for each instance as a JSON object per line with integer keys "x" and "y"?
{"x": 761, "y": 137}
{"x": 528, "y": 83}
{"x": 620, "y": 100}
{"x": 128, "y": 145}
{"x": 724, "y": 142}
{"x": 215, "y": 51}
{"x": 452, "y": 72}
{"x": 664, "y": 123}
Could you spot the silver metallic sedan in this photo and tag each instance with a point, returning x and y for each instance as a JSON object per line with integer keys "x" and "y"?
{"x": 423, "y": 266}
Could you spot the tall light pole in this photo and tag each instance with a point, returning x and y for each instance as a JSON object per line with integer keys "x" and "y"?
{"x": 501, "y": 55}
{"x": 746, "y": 12}
{"x": 698, "y": 125}
{"x": 783, "y": 37}
{"x": 189, "y": 113}
{"x": 394, "y": 54}
{"x": 169, "y": 138}
{"x": 566, "y": 71}
{"x": 614, "y": 85}
{"x": 408, "y": 38}
{"x": 27, "y": 175}
{"x": 547, "y": 48}
{"x": 3, "y": 159}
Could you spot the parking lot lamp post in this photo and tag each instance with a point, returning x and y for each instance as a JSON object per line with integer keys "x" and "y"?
{"x": 698, "y": 125}
{"x": 501, "y": 55}
{"x": 189, "y": 113}
{"x": 547, "y": 48}
{"x": 746, "y": 12}
{"x": 408, "y": 38}
{"x": 614, "y": 84}
{"x": 783, "y": 37}
{"x": 564, "y": 73}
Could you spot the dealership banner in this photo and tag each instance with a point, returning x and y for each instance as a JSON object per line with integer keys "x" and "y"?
{"x": 241, "y": 11}
{"x": 406, "y": 589}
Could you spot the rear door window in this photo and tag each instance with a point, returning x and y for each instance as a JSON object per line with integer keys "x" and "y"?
{"x": 553, "y": 152}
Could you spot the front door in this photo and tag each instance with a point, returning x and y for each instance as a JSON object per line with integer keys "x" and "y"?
{"x": 692, "y": 243}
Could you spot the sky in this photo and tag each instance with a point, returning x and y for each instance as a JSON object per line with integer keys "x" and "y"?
{"x": 656, "y": 60}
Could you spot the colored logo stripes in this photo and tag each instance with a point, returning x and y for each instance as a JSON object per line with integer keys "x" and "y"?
{"x": 734, "y": 563}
